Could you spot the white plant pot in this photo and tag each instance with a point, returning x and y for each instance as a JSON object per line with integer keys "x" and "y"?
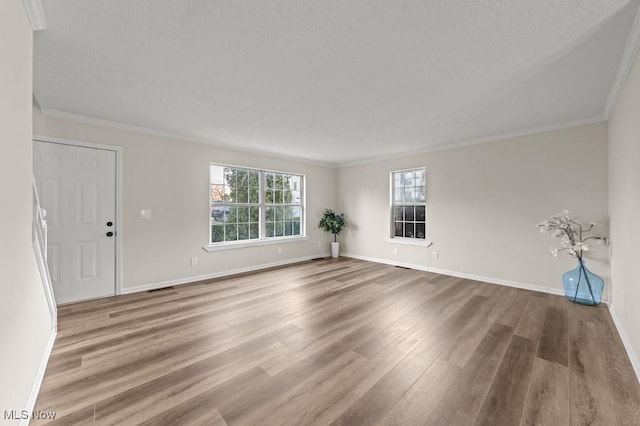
{"x": 335, "y": 249}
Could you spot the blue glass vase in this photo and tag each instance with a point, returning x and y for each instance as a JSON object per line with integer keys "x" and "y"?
{"x": 582, "y": 286}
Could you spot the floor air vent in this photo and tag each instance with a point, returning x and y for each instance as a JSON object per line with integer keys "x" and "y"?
{"x": 160, "y": 289}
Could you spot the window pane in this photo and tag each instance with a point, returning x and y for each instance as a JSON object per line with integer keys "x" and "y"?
{"x": 242, "y": 176}
{"x": 217, "y": 232}
{"x": 229, "y": 176}
{"x": 232, "y": 215}
{"x": 277, "y": 197}
{"x": 243, "y": 231}
{"x": 230, "y": 232}
{"x": 420, "y": 213}
{"x": 216, "y": 192}
{"x": 408, "y": 195}
{"x": 295, "y": 183}
{"x": 277, "y": 180}
{"x": 408, "y": 178}
{"x": 398, "y": 214}
{"x": 296, "y": 197}
{"x": 216, "y": 174}
{"x": 270, "y": 229}
{"x": 419, "y": 194}
{"x": 219, "y": 213}
{"x": 420, "y": 230}
{"x": 288, "y": 213}
{"x": 280, "y": 213}
{"x": 254, "y": 194}
{"x": 296, "y": 213}
{"x": 254, "y": 178}
{"x": 279, "y": 229}
{"x": 408, "y": 230}
{"x": 254, "y": 231}
{"x": 398, "y": 229}
{"x": 270, "y": 214}
{"x": 296, "y": 228}
{"x": 419, "y": 177}
{"x": 409, "y": 214}
{"x": 254, "y": 214}
{"x": 269, "y": 179}
{"x": 288, "y": 228}
{"x": 398, "y": 179}
{"x": 268, "y": 196}
{"x": 286, "y": 182}
{"x": 398, "y": 196}
{"x": 287, "y": 197}
{"x": 243, "y": 214}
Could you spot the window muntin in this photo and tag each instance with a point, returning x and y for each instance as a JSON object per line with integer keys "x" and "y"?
{"x": 251, "y": 204}
{"x": 408, "y": 206}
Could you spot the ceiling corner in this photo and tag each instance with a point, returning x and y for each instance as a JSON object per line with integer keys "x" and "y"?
{"x": 628, "y": 58}
{"x": 35, "y": 14}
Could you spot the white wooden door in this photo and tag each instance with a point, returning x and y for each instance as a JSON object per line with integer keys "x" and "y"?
{"x": 77, "y": 188}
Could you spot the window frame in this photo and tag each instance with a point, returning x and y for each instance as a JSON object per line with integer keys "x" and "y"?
{"x": 392, "y": 205}
{"x": 262, "y": 206}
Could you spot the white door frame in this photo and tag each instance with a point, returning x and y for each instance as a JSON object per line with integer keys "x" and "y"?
{"x": 118, "y": 152}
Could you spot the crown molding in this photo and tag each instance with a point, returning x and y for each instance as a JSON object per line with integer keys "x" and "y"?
{"x": 486, "y": 139}
{"x": 52, "y": 113}
{"x": 626, "y": 63}
{"x": 35, "y": 14}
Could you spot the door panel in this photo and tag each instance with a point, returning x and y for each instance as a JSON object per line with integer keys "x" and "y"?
{"x": 77, "y": 188}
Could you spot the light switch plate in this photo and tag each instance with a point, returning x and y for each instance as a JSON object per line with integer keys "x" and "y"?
{"x": 145, "y": 214}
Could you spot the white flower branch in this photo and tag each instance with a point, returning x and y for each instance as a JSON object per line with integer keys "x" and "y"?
{"x": 573, "y": 234}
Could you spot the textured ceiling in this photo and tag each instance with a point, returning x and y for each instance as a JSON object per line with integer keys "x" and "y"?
{"x": 332, "y": 81}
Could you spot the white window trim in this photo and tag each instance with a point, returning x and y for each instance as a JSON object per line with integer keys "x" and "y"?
{"x": 410, "y": 241}
{"x": 263, "y": 240}
{"x": 404, "y": 240}
{"x": 233, "y": 245}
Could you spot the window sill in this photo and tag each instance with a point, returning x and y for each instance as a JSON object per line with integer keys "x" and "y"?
{"x": 245, "y": 244}
{"x": 410, "y": 242}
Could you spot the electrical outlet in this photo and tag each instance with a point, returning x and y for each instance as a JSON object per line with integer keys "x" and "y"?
{"x": 194, "y": 261}
{"x": 435, "y": 255}
{"x": 395, "y": 250}
{"x": 145, "y": 214}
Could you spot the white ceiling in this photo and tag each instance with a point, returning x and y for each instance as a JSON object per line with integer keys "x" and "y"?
{"x": 332, "y": 81}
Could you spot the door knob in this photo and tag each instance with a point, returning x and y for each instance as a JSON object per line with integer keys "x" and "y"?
{"x": 109, "y": 223}
{"x": 109, "y": 234}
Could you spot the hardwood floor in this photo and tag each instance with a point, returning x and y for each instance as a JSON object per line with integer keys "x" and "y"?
{"x": 339, "y": 342}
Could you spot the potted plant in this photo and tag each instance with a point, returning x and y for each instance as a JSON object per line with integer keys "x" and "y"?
{"x": 333, "y": 222}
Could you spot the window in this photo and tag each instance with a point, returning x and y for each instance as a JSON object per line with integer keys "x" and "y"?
{"x": 408, "y": 205}
{"x": 249, "y": 204}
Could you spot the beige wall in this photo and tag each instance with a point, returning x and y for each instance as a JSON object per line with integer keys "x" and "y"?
{"x": 483, "y": 204}
{"x": 624, "y": 208}
{"x": 25, "y": 323}
{"x": 170, "y": 178}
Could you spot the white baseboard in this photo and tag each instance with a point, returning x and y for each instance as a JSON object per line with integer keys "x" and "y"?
{"x": 187, "y": 280}
{"x": 635, "y": 363}
{"x": 37, "y": 382}
{"x": 490, "y": 280}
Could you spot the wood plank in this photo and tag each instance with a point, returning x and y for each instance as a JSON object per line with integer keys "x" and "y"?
{"x": 470, "y": 387}
{"x": 417, "y": 405}
{"x": 548, "y": 397}
{"x": 532, "y": 320}
{"x": 504, "y": 403}
{"x": 589, "y": 397}
{"x": 554, "y": 340}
